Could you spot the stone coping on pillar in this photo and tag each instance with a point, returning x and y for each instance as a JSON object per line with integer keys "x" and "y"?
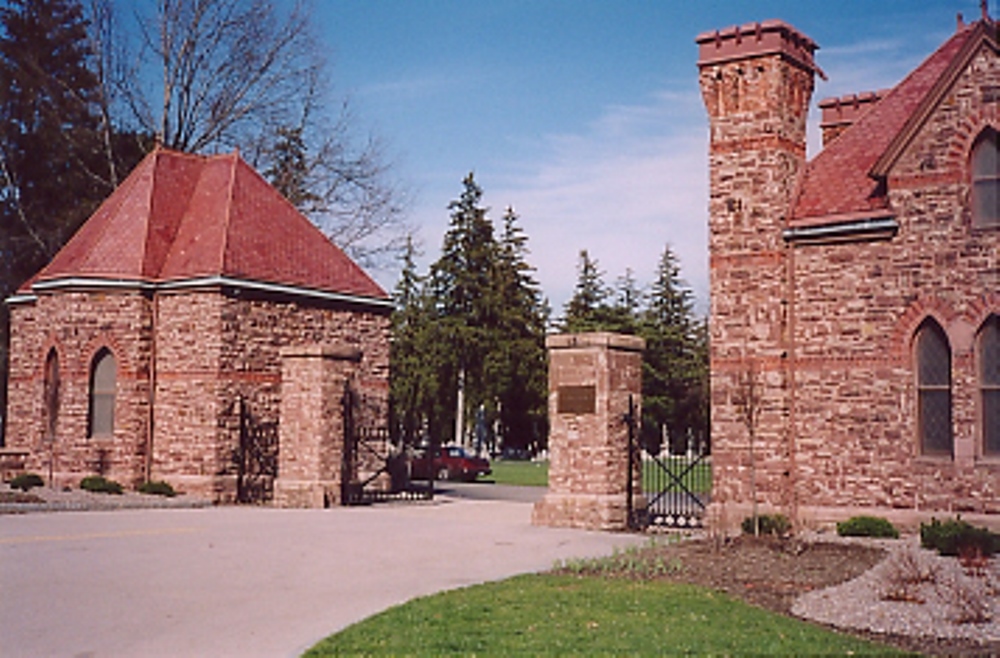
{"x": 595, "y": 339}
{"x": 335, "y": 352}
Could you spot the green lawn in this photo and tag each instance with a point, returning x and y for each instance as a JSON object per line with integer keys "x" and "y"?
{"x": 551, "y": 614}
{"x": 536, "y": 474}
{"x": 521, "y": 473}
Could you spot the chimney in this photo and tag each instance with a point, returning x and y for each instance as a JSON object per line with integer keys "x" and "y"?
{"x": 840, "y": 113}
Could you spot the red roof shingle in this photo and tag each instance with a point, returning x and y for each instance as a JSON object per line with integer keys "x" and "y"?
{"x": 840, "y": 183}
{"x": 180, "y": 217}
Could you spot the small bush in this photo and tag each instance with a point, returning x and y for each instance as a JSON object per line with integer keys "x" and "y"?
{"x": 26, "y": 481}
{"x": 158, "y": 488}
{"x": 100, "y": 484}
{"x": 867, "y": 526}
{"x": 767, "y": 524}
{"x": 956, "y": 537}
{"x": 904, "y": 573}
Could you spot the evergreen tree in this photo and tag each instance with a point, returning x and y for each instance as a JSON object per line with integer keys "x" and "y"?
{"x": 675, "y": 361}
{"x": 466, "y": 306}
{"x": 478, "y": 321}
{"x": 407, "y": 386}
{"x": 289, "y": 171}
{"x": 587, "y": 309}
{"x": 55, "y": 166}
{"x": 518, "y": 378}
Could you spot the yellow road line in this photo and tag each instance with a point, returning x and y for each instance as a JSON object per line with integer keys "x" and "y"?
{"x": 96, "y": 535}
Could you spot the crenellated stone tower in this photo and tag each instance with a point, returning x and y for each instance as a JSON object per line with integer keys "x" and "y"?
{"x": 756, "y": 82}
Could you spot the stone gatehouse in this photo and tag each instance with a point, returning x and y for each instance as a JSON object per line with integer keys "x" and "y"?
{"x": 855, "y": 297}
{"x": 134, "y": 350}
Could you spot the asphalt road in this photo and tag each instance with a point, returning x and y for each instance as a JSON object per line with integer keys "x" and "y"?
{"x": 244, "y": 581}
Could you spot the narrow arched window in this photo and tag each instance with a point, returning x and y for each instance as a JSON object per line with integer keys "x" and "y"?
{"x": 102, "y": 394}
{"x": 989, "y": 385}
{"x": 933, "y": 356}
{"x": 50, "y": 403}
{"x": 985, "y": 166}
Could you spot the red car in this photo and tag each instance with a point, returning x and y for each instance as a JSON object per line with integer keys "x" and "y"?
{"x": 450, "y": 463}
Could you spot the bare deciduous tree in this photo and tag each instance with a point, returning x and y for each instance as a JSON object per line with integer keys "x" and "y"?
{"x": 214, "y": 75}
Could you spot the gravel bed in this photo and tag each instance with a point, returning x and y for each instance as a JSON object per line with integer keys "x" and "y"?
{"x": 43, "y": 499}
{"x": 913, "y": 592}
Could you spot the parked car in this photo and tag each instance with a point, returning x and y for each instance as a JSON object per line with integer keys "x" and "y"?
{"x": 449, "y": 463}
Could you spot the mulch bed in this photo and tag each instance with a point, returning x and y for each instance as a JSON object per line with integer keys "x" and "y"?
{"x": 771, "y": 573}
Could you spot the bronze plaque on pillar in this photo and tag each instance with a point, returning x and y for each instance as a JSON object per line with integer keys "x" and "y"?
{"x": 577, "y": 400}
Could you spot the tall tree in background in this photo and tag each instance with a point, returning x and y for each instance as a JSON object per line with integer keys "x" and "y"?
{"x": 588, "y": 308}
{"x": 462, "y": 285}
{"x": 248, "y": 74}
{"x": 517, "y": 371}
{"x": 675, "y": 363}
{"x": 54, "y": 167}
{"x": 478, "y": 323}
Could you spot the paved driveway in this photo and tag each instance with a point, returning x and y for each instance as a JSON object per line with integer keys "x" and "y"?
{"x": 250, "y": 581}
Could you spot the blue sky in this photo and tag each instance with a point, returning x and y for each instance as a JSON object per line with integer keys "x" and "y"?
{"x": 584, "y": 115}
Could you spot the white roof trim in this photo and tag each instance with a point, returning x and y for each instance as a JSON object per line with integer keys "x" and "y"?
{"x": 202, "y": 282}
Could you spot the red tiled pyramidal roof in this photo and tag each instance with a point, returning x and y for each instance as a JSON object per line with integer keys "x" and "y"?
{"x": 181, "y": 217}
{"x": 844, "y": 181}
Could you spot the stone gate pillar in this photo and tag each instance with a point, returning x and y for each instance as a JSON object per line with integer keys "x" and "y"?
{"x": 311, "y": 426}
{"x": 591, "y": 377}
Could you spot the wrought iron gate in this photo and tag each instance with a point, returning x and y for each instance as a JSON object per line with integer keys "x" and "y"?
{"x": 673, "y": 491}
{"x": 373, "y": 470}
{"x": 256, "y": 458}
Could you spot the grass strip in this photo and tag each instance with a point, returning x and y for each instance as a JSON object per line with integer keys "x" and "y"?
{"x": 520, "y": 473}
{"x": 552, "y": 614}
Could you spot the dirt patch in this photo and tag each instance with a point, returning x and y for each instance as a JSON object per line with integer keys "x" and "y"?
{"x": 771, "y": 573}
{"x": 19, "y": 497}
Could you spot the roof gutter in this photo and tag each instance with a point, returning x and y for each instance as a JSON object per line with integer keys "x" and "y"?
{"x": 865, "y": 229}
{"x": 202, "y": 282}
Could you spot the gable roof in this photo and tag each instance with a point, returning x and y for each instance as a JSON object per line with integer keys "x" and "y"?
{"x": 180, "y": 218}
{"x": 846, "y": 180}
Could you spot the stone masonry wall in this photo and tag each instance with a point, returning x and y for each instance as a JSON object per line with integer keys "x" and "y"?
{"x": 757, "y": 108}
{"x": 250, "y": 331}
{"x": 591, "y": 378}
{"x": 77, "y": 325}
{"x": 858, "y": 307}
{"x": 825, "y": 332}
{"x": 212, "y": 348}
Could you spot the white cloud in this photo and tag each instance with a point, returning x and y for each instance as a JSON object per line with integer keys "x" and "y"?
{"x": 633, "y": 181}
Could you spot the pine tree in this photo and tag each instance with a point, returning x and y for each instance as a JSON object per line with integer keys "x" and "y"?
{"x": 289, "y": 170}
{"x": 54, "y": 168}
{"x": 588, "y": 308}
{"x": 407, "y": 388}
{"x": 461, "y": 283}
{"x": 675, "y": 361}
{"x": 478, "y": 319}
{"x": 518, "y": 380}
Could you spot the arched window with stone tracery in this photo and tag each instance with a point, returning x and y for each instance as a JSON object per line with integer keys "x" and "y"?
{"x": 50, "y": 393}
{"x": 103, "y": 376}
{"x": 933, "y": 360}
{"x": 988, "y": 356}
{"x": 984, "y": 166}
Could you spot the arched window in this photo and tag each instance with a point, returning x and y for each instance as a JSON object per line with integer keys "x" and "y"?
{"x": 102, "y": 394}
{"x": 50, "y": 403}
{"x": 985, "y": 166}
{"x": 989, "y": 384}
{"x": 933, "y": 389}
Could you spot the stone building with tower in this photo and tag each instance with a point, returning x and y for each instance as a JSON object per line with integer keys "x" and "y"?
{"x": 855, "y": 297}
{"x": 194, "y": 309}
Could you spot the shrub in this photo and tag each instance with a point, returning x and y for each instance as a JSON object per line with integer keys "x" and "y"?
{"x": 867, "y": 526}
{"x": 956, "y": 537}
{"x": 26, "y": 481}
{"x": 767, "y": 524}
{"x": 100, "y": 484}
{"x": 157, "y": 488}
